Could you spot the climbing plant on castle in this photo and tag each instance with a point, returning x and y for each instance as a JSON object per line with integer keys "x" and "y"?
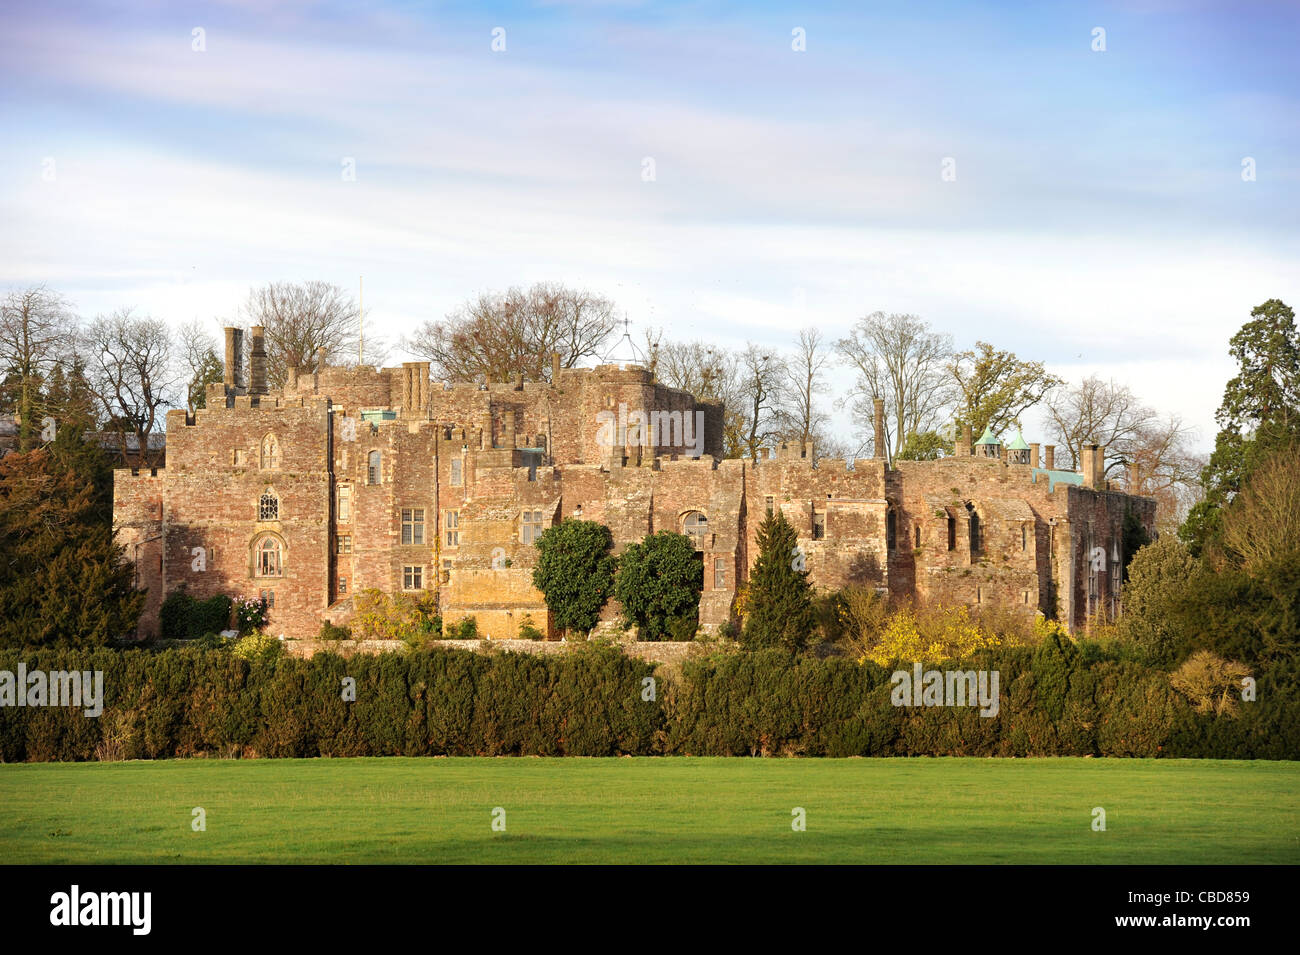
{"x": 575, "y": 572}
{"x": 780, "y": 609}
{"x": 659, "y": 583}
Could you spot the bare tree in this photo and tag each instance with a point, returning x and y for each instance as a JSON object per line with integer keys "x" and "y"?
{"x": 201, "y": 365}
{"x": 801, "y": 417}
{"x": 132, "y": 375}
{"x": 498, "y": 335}
{"x": 1096, "y": 412}
{"x": 1149, "y": 455}
{"x": 300, "y": 319}
{"x": 761, "y": 383}
{"x": 37, "y": 331}
{"x": 898, "y": 358}
{"x": 1161, "y": 464}
{"x": 710, "y": 373}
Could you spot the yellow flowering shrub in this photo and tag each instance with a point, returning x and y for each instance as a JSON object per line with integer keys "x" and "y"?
{"x": 941, "y": 633}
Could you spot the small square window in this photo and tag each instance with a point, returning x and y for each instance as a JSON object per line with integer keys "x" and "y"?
{"x": 343, "y": 586}
{"x": 345, "y": 544}
{"x": 241, "y": 458}
{"x": 345, "y": 503}
{"x": 412, "y": 578}
{"x": 268, "y": 597}
{"x": 452, "y": 525}
{"x": 719, "y": 573}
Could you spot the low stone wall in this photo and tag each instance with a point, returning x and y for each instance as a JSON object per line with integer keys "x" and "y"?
{"x": 654, "y": 652}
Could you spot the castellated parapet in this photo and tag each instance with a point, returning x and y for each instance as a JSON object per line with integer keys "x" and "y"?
{"x": 354, "y": 478}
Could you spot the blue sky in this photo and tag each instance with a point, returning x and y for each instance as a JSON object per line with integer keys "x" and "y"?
{"x": 1098, "y": 219}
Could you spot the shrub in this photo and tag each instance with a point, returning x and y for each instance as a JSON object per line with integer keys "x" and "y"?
{"x": 575, "y": 572}
{"x": 329, "y": 631}
{"x": 1210, "y": 683}
{"x": 184, "y": 618}
{"x": 464, "y": 629}
{"x": 931, "y": 633}
{"x": 528, "y": 630}
{"x": 659, "y": 582}
{"x": 250, "y": 614}
{"x": 380, "y": 616}
{"x": 258, "y": 646}
{"x": 1160, "y": 576}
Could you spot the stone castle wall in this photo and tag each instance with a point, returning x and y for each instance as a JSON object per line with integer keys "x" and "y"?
{"x": 384, "y": 479}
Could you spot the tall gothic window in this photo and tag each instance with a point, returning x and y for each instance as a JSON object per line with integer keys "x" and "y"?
{"x": 270, "y": 452}
{"x": 268, "y": 558}
{"x": 268, "y": 508}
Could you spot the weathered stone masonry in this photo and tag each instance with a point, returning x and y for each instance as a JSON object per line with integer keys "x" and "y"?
{"x": 348, "y": 479}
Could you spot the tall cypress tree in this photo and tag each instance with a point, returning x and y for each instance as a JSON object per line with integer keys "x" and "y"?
{"x": 780, "y": 610}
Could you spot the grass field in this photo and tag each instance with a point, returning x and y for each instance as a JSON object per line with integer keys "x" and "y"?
{"x": 652, "y": 811}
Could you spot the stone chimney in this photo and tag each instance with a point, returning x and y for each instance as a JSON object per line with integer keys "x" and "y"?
{"x": 1033, "y": 455}
{"x": 320, "y": 359}
{"x": 1088, "y": 464}
{"x": 257, "y": 361}
{"x": 555, "y": 368}
{"x": 1049, "y": 457}
{"x": 880, "y": 427}
{"x": 1099, "y": 468}
{"x": 234, "y": 359}
{"x": 968, "y": 438}
{"x": 293, "y": 378}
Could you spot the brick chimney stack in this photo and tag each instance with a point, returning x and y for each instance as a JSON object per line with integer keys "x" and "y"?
{"x": 234, "y": 359}
{"x": 555, "y": 368}
{"x": 1049, "y": 457}
{"x": 257, "y": 361}
{"x": 880, "y": 427}
{"x": 1033, "y": 455}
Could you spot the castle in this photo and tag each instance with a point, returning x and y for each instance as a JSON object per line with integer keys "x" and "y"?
{"x": 353, "y": 478}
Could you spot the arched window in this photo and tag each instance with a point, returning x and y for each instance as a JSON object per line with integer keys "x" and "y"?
{"x": 373, "y": 470}
{"x": 268, "y": 508}
{"x": 891, "y": 529}
{"x": 270, "y": 452}
{"x": 695, "y": 525}
{"x": 268, "y": 558}
{"x": 976, "y": 545}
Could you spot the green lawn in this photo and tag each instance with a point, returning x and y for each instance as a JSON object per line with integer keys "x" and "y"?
{"x": 654, "y": 810}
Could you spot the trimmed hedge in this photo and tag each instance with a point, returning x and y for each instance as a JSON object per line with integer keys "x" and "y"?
{"x": 209, "y": 702}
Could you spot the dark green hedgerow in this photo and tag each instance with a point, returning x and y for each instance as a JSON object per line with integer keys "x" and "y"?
{"x": 1053, "y": 701}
